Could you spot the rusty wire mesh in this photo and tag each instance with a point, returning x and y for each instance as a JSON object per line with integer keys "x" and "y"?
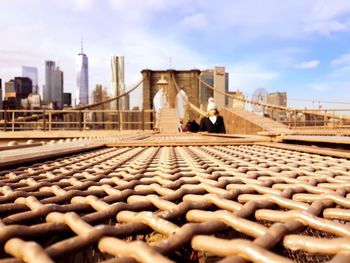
{"x": 186, "y": 204}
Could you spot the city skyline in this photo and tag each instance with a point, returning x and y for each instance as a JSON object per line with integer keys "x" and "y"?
{"x": 296, "y": 47}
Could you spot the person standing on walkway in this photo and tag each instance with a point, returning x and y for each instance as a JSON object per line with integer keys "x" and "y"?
{"x": 213, "y": 122}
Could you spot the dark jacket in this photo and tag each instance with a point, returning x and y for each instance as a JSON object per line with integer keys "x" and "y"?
{"x": 217, "y": 127}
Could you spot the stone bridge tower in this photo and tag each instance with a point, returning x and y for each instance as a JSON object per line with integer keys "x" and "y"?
{"x": 186, "y": 79}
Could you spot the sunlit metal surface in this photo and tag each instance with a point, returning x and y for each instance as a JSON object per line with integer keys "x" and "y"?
{"x": 161, "y": 204}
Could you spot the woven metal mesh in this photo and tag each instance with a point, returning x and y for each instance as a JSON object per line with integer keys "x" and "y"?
{"x": 162, "y": 204}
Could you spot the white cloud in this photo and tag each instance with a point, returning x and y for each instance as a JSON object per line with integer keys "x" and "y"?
{"x": 150, "y": 5}
{"x": 323, "y": 10}
{"x": 339, "y": 73}
{"x": 248, "y": 76}
{"x": 342, "y": 60}
{"x": 84, "y": 5}
{"x": 141, "y": 11}
{"x": 77, "y": 5}
{"x": 320, "y": 87}
{"x": 307, "y": 64}
{"x": 327, "y": 27}
{"x": 195, "y": 21}
{"x": 291, "y": 19}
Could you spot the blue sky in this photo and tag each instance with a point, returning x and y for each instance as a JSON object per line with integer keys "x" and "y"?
{"x": 301, "y": 47}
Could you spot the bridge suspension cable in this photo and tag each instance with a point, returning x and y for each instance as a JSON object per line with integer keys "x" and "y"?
{"x": 295, "y": 110}
{"x": 44, "y": 115}
{"x": 196, "y": 109}
{"x": 321, "y": 101}
{"x": 110, "y": 100}
{"x": 242, "y": 99}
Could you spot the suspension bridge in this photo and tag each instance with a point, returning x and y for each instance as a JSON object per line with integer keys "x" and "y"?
{"x": 320, "y": 121}
{"x": 96, "y": 185}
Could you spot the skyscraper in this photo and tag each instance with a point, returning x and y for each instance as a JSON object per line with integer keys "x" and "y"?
{"x": 49, "y": 78}
{"x": 53, "y": 89}
{"x": 24, "y": 87}
{"x": 10, "y": 101}
{"x": 67, "y": 99}
{"x": 32, "y": 73}
{"x": 82, "y": 79}
{"x": 206, "y": 76}
{"x": 279, "y": 99}
{"x": 220, "y": 83}
{"x": 16, "y": 90}
{"x": 57, "y": 85}
{"x": 117, "y": 82}
{"x": 99, "y": 95}
{"x": 218, "y": 79}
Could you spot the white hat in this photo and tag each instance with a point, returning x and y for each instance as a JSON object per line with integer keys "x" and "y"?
{"x": 211, "y": 104}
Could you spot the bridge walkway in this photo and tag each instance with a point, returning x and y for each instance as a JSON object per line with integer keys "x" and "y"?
{"x": 168, "y": 121}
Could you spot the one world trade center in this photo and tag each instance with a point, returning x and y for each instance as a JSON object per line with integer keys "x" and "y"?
{"x": 82, "y": 79}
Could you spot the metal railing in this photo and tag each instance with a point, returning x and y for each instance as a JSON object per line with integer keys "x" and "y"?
{"x": 48, "y": 120}
{"x": 317, "y": 118}
{"x": 319, "y": 113}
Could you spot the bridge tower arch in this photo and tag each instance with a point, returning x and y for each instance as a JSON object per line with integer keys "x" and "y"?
{"x": 188, "y": 80}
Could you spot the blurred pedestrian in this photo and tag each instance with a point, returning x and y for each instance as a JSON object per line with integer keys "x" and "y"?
{"x": 194, "y": 126}
{"x": 213, "y": 122}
